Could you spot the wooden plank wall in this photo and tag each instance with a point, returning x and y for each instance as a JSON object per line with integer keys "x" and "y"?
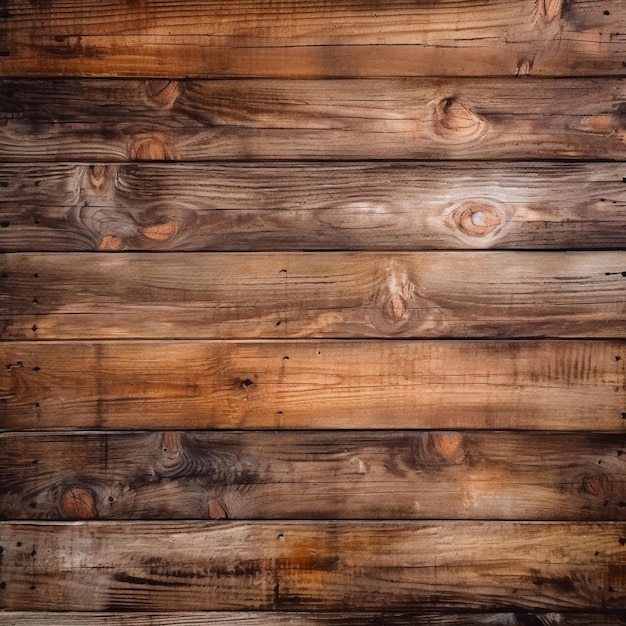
{"x": 313, "y": 312}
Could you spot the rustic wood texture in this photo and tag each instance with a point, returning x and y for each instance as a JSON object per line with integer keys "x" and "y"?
{"x": 313, "y": 38}
{"x": 540, "y": 385}
{"x": 302, "y": 618}
{"x": 192, "y": 566}
{"x": 313, "y": 475}
{"x": 460, "y": 118}
{"x": 316, "y": 206}
{"x": 287, "y": 295}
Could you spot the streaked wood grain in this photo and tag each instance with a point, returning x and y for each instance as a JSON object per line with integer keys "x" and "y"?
{"x": 288, "y": 295}
{"x": 316, "y": 206}
{"x": 313, "y": 475}
{"x": 305, "y": 618}
{"x": 183, "y": 566}
{"x": 313, "y": 38}
{"x": 456, "y": 118}
{"x": 541, "y": 385}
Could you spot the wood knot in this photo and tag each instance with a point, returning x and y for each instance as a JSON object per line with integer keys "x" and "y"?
{"x": 476, "y": 219}
{"x": 395, "y": 308}
{"x": 151, "y": 148}
{"x": 454, "y": 119}
{"x": 594, "y": 484}
{"x": 159, "y": 232}
{"x": 448, "y": 446}
{"x": 550, "y": 10}
{"x": 77, "y": 503}
{"x": 110, "y": 243}
{"x": 163, "y": 93}
{"x": 172, "y": 444}
{"x": 216, "y": 510}
{"x": 98, "y": 178}
{"x": 437, "y": 449}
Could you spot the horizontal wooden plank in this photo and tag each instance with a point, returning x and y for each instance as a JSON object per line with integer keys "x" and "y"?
{"x": 313, "y": 38}
{"x": 313, "y": 475}
{"x": 311, "y": 206}
{"x": 286, "y": 295}
{"x": 102, "y": 566}
{"x": 120, "y": 120}
{"x": 302, "y": 618}
{"x": 541, "y": 385}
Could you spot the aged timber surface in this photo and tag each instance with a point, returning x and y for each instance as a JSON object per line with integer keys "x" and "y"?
{"x": 313, "y": 38}
{"x": 315, "y": 295}
{"x": 305, "y": 618}
{"x": 316, "y": 565}
{"x": 541, "y": 385}
{"x": 311, "y": 206}
{"x": 456, "y": 118}
{"x": 313, "y": 475}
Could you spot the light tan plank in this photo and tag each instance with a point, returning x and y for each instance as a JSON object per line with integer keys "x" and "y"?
{"x": 288, "y": 295}
{"x": 300, "y": 206}
{"x": 460, "y": 118}
{"x": 191, "y": 566}
{"x": 541, "y": 385}
{"x": 313, "y": 475}
{"x": 313, "y": 38}
{"x": 300, "y": 618}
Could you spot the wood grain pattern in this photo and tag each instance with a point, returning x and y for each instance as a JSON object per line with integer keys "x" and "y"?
{"x": 287, "y": 295}
{"x": 459, "y": 118}
{"x": 316, "y": 206}
{"x": 547, "y": 385}
{"x": 313, "y": 38}
{"x": 322, "y": 565}
{"x": 302, "y": 618}
{"x": 313, "y": 475}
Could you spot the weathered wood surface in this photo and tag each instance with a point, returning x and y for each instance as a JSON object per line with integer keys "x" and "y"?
{"x": 460, "y": 118}
{"x": 313, "y": 38}
{"x": 286, "y": 295}
{"x": 315, "y": 206}
{"x": 547, "y": 385}
{"x": 189, "y": 566}
{"x": 302, "y": 618}
{"x": 313, "y": 475}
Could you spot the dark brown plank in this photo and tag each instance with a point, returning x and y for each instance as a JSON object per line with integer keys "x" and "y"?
{"x": 317, "y": 206}
{"x": 313, "y": 475}
{"x": 300, "y": 618}
{"x": 192, "y": 566}
{"x": 459, "y": 118}
{"x": 313, "y": 38}
{"x": 541, "y": 385}
{"x": 288, "y": 295}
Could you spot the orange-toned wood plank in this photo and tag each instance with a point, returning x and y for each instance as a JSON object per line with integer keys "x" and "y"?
{"x": 313, "y": 38}
{"x": 541, "y": 385}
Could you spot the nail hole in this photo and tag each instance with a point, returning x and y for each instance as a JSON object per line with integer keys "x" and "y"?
{"x": 607, "y": 13}
{"x": 34, "y": 328}
{"x": 36, "y": 405}
{"x": 285, "y": 358}
{"x": 36, "y": 368}
{"x": 278, "y": 323}
{"x": 618, "y": 358}
{"x": 247, "y": 383}
{"x": 35, "y": 275}
{"x": 5, "y": 224}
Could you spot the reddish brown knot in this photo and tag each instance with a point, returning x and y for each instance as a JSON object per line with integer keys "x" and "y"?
{"x": 151, "y": 148}
{"x": 98, "y": 177}
{"x": 395, "y": 308}
{"x": 163, "y": 93}
{"x": 78, "y": 503}
{"x": 216, "y": 510}
{"x": 110, "y": 243}
{"x": 454, "y": 119}
{"x": 159, "y": 232}
{"x": 595, "y": 484}
{"x": 477, "y": 218}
